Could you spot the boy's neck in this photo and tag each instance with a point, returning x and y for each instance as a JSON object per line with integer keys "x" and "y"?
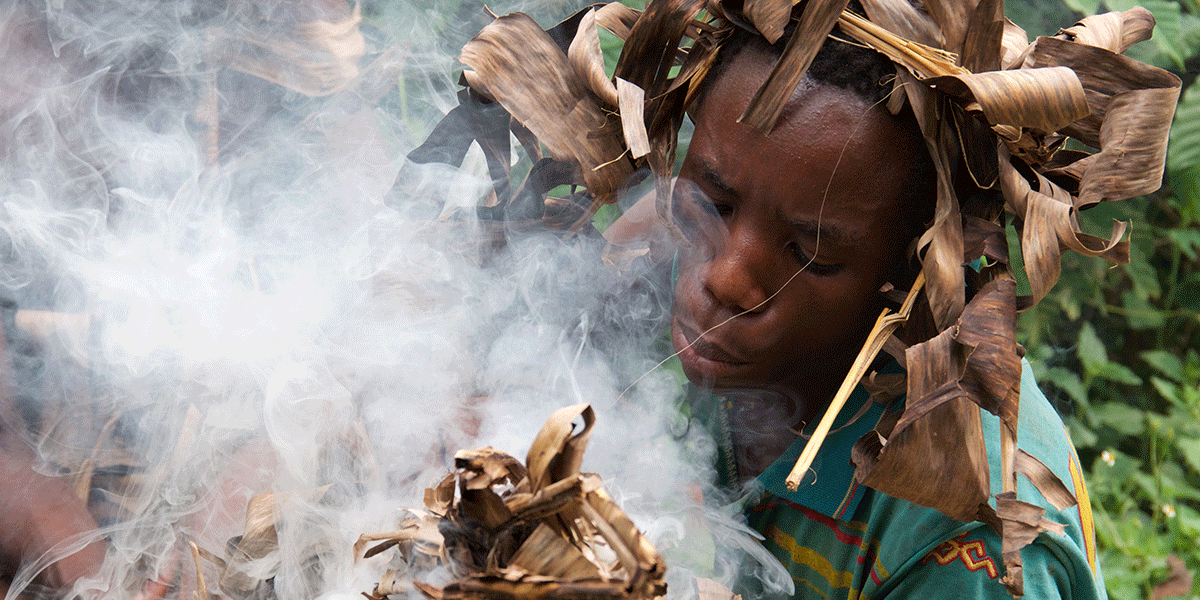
{"x": 764, "y": 423}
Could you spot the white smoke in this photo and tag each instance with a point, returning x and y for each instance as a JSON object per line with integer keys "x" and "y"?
{"x": 204, "y": 324}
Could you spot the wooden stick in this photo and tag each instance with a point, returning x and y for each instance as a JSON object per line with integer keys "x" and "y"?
{"x": 884, "y": 326}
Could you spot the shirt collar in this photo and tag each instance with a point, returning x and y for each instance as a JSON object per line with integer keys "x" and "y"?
{"x": 829, "y": 487}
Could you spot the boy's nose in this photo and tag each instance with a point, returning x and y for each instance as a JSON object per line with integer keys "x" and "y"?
{"x": 734, "y": 276}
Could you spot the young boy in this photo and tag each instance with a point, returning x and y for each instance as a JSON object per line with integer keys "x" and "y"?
{"x": 791, "y": 236}
{"x": 796, "y": 233}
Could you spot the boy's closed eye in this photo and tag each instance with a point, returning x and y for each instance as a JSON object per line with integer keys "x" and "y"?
{"x": 810, "y": 263}
{"x": 699, "y": 215}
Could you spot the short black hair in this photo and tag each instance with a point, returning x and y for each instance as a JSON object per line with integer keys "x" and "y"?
{"x": 838, "y": 63}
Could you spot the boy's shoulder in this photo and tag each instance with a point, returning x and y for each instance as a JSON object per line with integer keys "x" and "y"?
{"x": 883, "y": 546}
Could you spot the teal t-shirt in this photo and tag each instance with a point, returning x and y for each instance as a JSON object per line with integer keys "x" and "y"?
{"x": 839, "y": 539}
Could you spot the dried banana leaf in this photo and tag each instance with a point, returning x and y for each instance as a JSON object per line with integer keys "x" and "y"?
{"x": 1050, "y": 486}
{"x": 939, "y": 461}
{"x": 816, "y": 21}
{"x": 1113, "y": 31}
{"x": 632, "y": 102}
{"x": 1013, "y": 45}
{"x": 617, "y": 18}
{"x": 557, "y": 451}
{"x": 953, "y": 18}
{"x": 587, "y": 59}
{"x": 1045, "y": 99}
{"x": 943, "y": 241}
{"x": 515, "y": 62}
{"x": 982, "y": 46}
{"x": 904, "y": 20}
{"x": 1107, "y": 76}
{"x": 770, "y": 17}
{"x": 650, "y": 52}
{"x": 1048, "y": 224}
{"x": 1021, "y": 522}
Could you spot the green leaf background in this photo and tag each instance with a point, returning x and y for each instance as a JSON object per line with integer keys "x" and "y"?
{"x": 1118, "y": 349}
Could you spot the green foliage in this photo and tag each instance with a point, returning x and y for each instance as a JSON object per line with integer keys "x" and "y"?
{"x": 1184, "y": 151}
{"x": 1119, "y": 348}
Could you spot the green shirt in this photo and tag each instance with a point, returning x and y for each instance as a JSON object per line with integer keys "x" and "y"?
{"x": 839, "y": 539}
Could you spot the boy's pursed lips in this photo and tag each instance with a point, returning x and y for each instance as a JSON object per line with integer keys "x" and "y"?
{"x": 702, "y": 354}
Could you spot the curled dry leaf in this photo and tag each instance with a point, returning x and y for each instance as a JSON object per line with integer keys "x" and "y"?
{"x": 1013, "y": 45}
{"x": 1046, "y": 99}
{"x": 943, "y": 241}
{"x": 252, "y": 558}
{"x": 1048, "y": 224}
{"x": 632, "y": 102}
{"x": 940, "y": 459}
{"x": 770, "y": 17}
{"x": 650, "y": 52}
{"x": 1050, "y": 486}
{"x": 588, "y": 60}
{"x": 938, "y": 437}
{"x": 983, "y": 44}
{"x": 1131, "y": 106}
{"x": 953, "y": 17}
{"x": 617, "y": 18}
{"x": 1113, "y": 31}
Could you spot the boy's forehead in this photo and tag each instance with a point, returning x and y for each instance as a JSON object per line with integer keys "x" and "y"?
{"x": 832, "y": 150}
{"x": 815, "y": 109}
{"x": 829, "y": 130}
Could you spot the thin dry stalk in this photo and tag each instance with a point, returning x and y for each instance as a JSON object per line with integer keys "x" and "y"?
{"x": 885, "y": 325}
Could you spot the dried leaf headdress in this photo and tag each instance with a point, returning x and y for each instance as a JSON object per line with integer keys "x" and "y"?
{"x": 989, "y": 104}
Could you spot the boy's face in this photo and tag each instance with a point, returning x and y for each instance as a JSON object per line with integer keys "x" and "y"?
{"x": 800, "y": 228}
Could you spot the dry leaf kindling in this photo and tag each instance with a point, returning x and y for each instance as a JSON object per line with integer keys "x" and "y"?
{"x": 541, "y": 529}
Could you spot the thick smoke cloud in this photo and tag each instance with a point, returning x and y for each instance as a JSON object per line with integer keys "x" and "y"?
{"x": 214, "y": 292}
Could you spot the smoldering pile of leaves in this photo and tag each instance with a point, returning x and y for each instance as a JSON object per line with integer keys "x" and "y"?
{"x": 503, "y": 529}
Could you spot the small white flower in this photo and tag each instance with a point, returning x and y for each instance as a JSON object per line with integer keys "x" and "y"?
{"x": 1108, "y": 458}
{"x": 1169, "y": 511}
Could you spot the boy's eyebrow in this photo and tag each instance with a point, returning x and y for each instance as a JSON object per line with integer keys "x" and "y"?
{"x": 826, "y": 232}
{"x": 713, "y": 178}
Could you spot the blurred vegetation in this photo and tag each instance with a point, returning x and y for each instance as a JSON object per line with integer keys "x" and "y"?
{"x": 1117, "y": 350}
